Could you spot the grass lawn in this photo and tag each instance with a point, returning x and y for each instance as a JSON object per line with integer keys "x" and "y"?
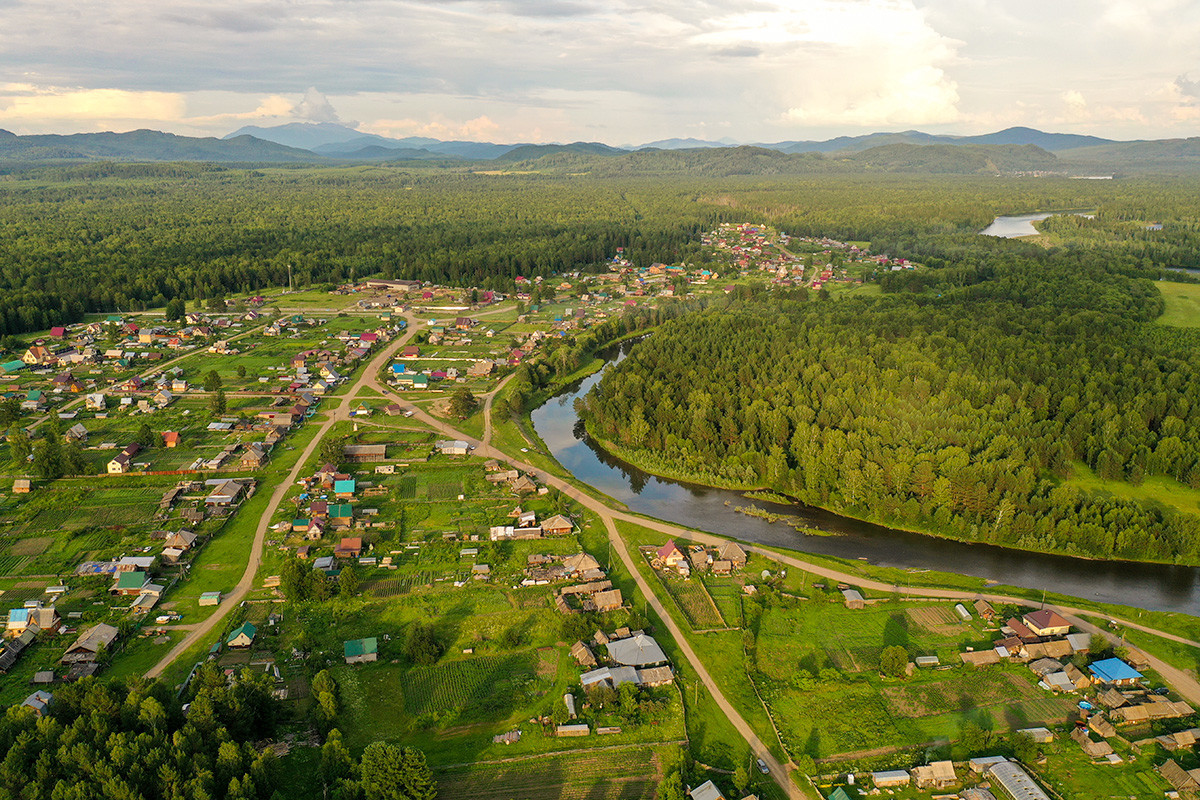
{"x": 142, "y": 654}
{"x": 1183, "y": 304}
{"x": 1155, "y": 489}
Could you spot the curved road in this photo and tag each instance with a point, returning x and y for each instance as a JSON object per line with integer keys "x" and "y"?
{"x": 1183, "y": 682}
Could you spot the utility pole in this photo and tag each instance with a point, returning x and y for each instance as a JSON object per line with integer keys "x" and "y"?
{"x": 291, "y": 286}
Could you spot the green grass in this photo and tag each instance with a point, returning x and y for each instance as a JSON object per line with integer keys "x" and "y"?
{"x": 626, "y": 774}
{"x": 457, "y": 684}
{"x": 1154, "y": 489}
{"x": 1183, "y": 304}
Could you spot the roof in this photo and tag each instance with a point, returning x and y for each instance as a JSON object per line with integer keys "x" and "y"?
{"x": 131, "y": 580}
{"x": 1111, "y": 670}
{"x": 360, "y": 647}
{"x": 636, "y": 651}
{"x": 246, "y": 628}
{"x": 706, "y": 791}
{"x": 344, "y": 486}
{"x": 1016, "y": 781}
{"x": 94, "y": 638}
{"x": 339, "y": 510}
{"x": 667, "y": 549}
{"x": 1045, "y": 618}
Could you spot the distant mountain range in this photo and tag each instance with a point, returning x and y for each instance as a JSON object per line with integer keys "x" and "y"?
{"x": 1009, "y": 150}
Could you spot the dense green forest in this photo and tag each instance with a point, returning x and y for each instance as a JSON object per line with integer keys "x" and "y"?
{"x": 105, "y": 237}
{"x": 955, "y": 403}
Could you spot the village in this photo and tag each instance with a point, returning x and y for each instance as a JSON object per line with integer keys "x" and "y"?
{"x": 392, "y": 534}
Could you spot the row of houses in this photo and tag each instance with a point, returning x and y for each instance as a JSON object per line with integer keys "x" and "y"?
{"x": 721, "y": 560}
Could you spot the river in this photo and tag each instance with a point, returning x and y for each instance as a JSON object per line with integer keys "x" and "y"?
{"x": 1022, "y": 224}
{"x": 1151, "y": 586}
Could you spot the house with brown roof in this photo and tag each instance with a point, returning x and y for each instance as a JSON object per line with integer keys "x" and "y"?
{"x": 558, "y": 525}
{"x": 1046, "y": 623}
{"x": 938, "y": 775}
{"x": 1179, "y": 778}
{"x": 349, "y": 547}
{"x": 733, "y": 553}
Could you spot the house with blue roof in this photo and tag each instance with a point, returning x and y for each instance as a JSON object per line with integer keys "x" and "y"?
{"x": 1115, "y": 672}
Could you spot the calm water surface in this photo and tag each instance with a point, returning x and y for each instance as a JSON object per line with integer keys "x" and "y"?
{"x": 1021, "y": 224}
{"x": 1156, "y": 587}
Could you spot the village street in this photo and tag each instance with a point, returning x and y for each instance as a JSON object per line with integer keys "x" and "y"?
{"x": 1185, "y": 684}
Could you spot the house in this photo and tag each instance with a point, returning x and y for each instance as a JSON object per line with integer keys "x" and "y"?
{"x": 129, "y": 583}
{"x": 349, "y": 547}
{"x": 358, "y": 651}
{"x": 1046, "y": 623}
{"x": 1092, "y": 748}
{"x": 1180, "y": 779}
{"x": 583, "y": 655}
{"x": 242, "y": 636}
{"x": 558, "y": 525}
{"x": 254, "y": 457}
{"x": 523, "y": 485}
{"x": 76, "y": 433}
{"x": 22, "y": 486}
{"x": 225, "y": 494}
{"x": 341, "y": 515}
{"x": 456, "y": 447}
{"x": 938, "y": 775}
{"x": 39, "y": 701}
{"x": 733, "y": 553}
{"x": 706, "y": 791}
{"x": 609, "y": 600}
{"x": 670, "y": 554}
{"x": 123, "y": 461}
{"x": 580, "y": 564}
{"x": 344, "y": 488}
{"x": 35, "y": 400}
{"x": 90, "y": 644}
{"x": 96, "y": 402}
{"x": 171, "y": 439}
{"x": 182, "y": 540}
{"x": 163, "y": 397}
{"x": 1115, "y": 672}
{"x": 639, "y": 650}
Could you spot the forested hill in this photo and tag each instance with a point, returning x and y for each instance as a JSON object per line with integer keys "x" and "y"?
{"x": 955, "y": 404}
{"x": 145, "y": 145}
{"x": 727, "y": 161}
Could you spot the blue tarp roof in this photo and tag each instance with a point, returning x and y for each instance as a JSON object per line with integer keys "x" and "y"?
{"x": 1111, "y": 670}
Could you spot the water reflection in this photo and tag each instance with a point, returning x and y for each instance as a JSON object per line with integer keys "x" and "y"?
{"x": 1158, "y": 587}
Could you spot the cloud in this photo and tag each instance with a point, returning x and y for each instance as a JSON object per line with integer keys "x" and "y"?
{"x": 1187, "y": 87}
{"x": 24, "y": 102}
{"x": 315, "y": 107}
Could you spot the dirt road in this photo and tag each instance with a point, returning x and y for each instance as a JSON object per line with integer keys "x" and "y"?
{"x": 333, "y": 415}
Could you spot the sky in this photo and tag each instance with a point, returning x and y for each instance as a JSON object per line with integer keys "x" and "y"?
{"x": 614, "y": 71}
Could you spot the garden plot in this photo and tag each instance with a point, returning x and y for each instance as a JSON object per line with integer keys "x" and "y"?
{"x": 625, "y": 774}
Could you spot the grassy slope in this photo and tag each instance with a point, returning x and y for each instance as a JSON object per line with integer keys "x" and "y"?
{"x": 1183, "y": 304}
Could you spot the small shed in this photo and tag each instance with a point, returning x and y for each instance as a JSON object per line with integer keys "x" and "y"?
{"x": 891, "y": 778}
{"x": 22, "y": 486}
{"x": 1039, "y": 735}
{"x": 854, "y": 599}
{"x": 210, "y": 599}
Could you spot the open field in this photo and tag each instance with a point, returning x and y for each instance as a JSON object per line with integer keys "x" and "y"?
{"x": 1154, "y": 489}
{"x": 619, "y": 774}
{"x": 1183, "y": 304}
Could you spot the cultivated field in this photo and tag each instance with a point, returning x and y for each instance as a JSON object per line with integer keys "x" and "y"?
{"x": 620, "y": 774}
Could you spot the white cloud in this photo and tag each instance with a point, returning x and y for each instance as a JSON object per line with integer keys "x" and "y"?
{"x": 315, "y": 107}
{"x": 617, "y": 71}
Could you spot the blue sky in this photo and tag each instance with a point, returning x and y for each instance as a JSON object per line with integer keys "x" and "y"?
{"x": 614, "y": 71}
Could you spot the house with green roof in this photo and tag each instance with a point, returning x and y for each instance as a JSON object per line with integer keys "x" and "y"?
{"x": 129, "y": 582}
{"x": 358, "y": 651}
{"x": 344, "y": 488}
{"x": 243, "y": 636}
{"x": 10, "y": 367}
